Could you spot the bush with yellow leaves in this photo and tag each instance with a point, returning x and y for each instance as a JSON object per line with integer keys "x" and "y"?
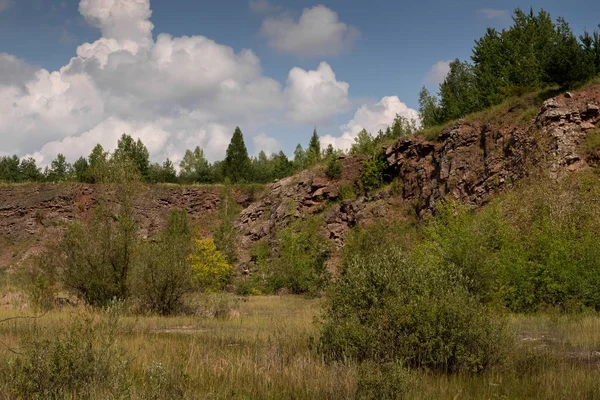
{"x": 210, "y": 269}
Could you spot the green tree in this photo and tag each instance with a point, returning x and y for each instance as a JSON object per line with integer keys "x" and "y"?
{"x": 169, "y": 174}
{"x": 59, "y": 169}
{"x": 282, "y": 166}
{"x": 490, "y": 68}
{"x": 591, "y": 48}
{"x": 364, "y": 143}
{"x": 98, "y": 164}
{"x": 194, "y": 167}
{"x": 29, "y": 170}
{"x": 161, "y": 274}
{"x": 299, "y": 158}
{"x": 429, "y": 110}
{"x": 313, "y": 154}
{"x": 9, "y": 168}
{"x": 237, "y": 162}
{"x": 134, "y": 152}
{"x": 81, "y": 169}
{"x": 567, "y": 63}
{"x": 457, "y": 92}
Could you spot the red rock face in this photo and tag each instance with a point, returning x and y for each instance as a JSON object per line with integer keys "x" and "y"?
{"x": 470, "y": 162}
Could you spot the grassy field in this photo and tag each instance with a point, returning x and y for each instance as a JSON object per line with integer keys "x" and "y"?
{"x": 262, "y": 350}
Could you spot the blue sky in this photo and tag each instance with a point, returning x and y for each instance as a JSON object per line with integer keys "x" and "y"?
{"x": 372, "y": 52}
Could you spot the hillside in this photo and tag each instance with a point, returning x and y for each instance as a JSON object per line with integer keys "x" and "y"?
{"x": 470, "y": 161}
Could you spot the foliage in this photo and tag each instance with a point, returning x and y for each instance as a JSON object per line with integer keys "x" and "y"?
{"x": 389, "y": 381}
{"x": 533, "y": 249}
{"x": 59, "y": 169}
{"x": 81, "y": 361}
{"x": 210, "y": 269}
{"x": 533, "y": 53}
{"x": 134, "y": 152}
{"x": 334, "y": 167}
{"x": 161, "y": 273}
{"x": 373, "y": 175}
{"x": 96, "y": 261}
{"x": 390, "y": 307}
{"x": 225, "y": 236}
{"x": 313, "y": 154}
{"x": 194, "y": 167}
{"x": 303, "y": 251}
{"x": 237, "y": 162}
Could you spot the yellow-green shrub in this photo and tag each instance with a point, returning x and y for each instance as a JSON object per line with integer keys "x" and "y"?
{"x": 210, "y": 270}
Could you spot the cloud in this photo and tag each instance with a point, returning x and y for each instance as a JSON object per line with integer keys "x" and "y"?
{"x": 6, "y": 4}
{"x": 491, "y": 13}
{"x": 372, "y": 117}
{"x": 314, "y": 96}
{"x": 174, "y": 93}
{"x": 318, "y": 32}
{"x": 263, "y": 6}
{"x": 14, "y": 71}
{"x": 265, "y": 143}
{"x": 438, "y": 72}
{"x": 119, "y": 19}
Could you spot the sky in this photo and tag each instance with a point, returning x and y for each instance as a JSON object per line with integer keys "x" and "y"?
{"x": 184, "y": 73}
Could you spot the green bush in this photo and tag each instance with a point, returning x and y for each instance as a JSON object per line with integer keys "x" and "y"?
{"x": 389, "y": 381}
{"x": 82, "y": 361}
{"x": 334, "y": 167}
{"x": 96, "y": 260}
{"x": 162, "y": 273}
{"x": 303, "y": 251}
{"x": 386, "y": 307}
{"x": 373, "y": 175}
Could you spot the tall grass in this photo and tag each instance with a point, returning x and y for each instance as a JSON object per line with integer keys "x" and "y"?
{"x": 264, "y": 352}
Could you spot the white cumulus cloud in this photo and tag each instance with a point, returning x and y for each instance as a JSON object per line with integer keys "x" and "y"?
{"x": 265, "y": 143}
{"x": 438, "y": 72}
{"x": 372, "y": 117}
{"x": 318, "y": 32}
{"x": 315, "y": 95}
{"x": 174, "y": 93}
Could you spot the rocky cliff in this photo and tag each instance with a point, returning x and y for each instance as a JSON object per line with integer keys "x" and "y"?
{"x": 471, "y": 161}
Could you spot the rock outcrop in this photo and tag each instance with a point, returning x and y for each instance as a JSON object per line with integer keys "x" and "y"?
{"x": 470, "y": 162}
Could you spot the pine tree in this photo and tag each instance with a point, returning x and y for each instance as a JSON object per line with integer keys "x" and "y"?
{"x": 98, "y": 164}
{"x": 313, "y": 154}
{"x": 237, "y": 162}
{"x": 59, "y": 169}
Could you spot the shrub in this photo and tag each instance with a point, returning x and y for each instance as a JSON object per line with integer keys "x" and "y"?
{"x": 161, "y": 275}
{"x": 210, "y": 270}
{"x": 389, "y": 381}
{"x": 334, "y": 167}
{"x": 81, "y": 361}
{"x": 347, "y": 191}
{"x": 96, "y": 261}
{"x": 302, "y": 254}
{"x": 388, "y": 308}
{"x": 372, "y": 175}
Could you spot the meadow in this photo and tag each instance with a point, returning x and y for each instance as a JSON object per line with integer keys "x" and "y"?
{"x": 260, "y": 347}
